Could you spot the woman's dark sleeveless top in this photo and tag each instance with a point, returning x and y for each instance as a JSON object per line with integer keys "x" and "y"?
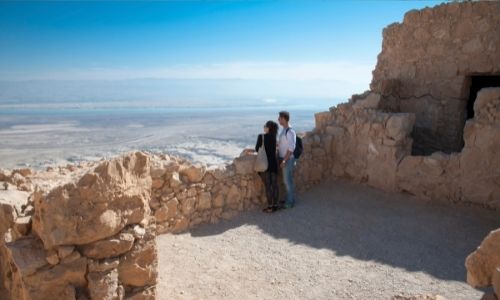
{"x": 270, "y": 147}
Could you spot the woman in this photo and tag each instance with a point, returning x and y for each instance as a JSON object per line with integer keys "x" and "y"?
{"x": 270, "y": 176}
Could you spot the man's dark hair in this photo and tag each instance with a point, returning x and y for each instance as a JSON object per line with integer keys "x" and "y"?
{"x": 285, "y": 115}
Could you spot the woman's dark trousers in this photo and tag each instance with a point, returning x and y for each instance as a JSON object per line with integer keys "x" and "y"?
{"x": 270, "y": 180}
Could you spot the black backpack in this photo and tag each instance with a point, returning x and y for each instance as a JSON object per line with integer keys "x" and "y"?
{"x": 298, "y": 145}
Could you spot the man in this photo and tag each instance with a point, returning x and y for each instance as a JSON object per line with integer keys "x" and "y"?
{"x": 286, "y": 147}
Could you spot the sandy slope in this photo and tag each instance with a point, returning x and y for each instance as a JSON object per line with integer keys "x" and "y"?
{"x": 343, "y": 241}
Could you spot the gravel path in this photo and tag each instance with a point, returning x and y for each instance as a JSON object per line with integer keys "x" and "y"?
{"x": 343, "y": 241}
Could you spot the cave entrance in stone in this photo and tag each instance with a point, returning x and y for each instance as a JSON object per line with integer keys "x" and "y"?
{"x": 476, "y": 84}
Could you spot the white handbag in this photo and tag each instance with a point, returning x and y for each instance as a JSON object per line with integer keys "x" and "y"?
{"x": 261, "y": 162}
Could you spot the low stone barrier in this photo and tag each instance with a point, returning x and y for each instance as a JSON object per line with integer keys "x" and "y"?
{"x": 94, "y": 237}
{"x": 360, "y": 142}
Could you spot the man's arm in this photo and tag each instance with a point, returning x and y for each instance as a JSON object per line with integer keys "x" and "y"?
{"x": 290, "y": 138}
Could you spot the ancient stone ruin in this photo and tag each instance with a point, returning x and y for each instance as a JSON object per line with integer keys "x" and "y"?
{"x": 94, "y": 236}
{"x": 433, "y": 64}
{"x": 429, "y": 126}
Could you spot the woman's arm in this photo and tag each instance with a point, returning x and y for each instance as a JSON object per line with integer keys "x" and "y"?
{"x": 259, "y": 143}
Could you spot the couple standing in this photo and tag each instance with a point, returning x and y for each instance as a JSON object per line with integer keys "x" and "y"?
{"x": 280, "y": 155}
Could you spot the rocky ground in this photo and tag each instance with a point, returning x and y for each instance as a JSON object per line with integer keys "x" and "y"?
{"x": 342, "y": 241}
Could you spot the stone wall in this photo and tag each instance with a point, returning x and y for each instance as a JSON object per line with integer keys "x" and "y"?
{"x": 93, "y": 237}
{"x": 358, "y": 141}
{"x": 185, "y": 195}
{"x": 425, "y": 64}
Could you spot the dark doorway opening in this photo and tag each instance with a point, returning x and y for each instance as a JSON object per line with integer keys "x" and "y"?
{"x": 477, "y": 83}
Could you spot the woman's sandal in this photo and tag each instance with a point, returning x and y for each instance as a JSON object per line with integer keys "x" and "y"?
{"x": 269, "y": 209}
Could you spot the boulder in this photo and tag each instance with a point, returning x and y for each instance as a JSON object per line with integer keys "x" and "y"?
{"x": 103, "y": 265}
{"x": 234, "y": 195}
{"x": 484, "y": 261}
{"x": 109, "y": 247}
{"x": 496, "y": 281}
{"x": 205, "y": 201}
{"x": 321, "y": 119}
{"x": 175, "y": 181}
{"x": 399, "y": 125}
{"x": 11, "y": 203}
{"x": 157, "y": 169}
{"x": 138, "y": 266}
{"x": 172, "y": 208}
{"x": 27, "y": 254}
{"x": 188, "y": 205}
{"x": 105, "y": 200}
{"x": 371, "y": 101}
{"x": 64, "y": 251}
{"x": 487, "y": 105}
{"x": 57, "y": 282}
{"x": 52, "y": 257}
{"x": 193, "y": 173}
{"x": 245, "y": 164}
{"x": 104, "y": 285}
{"x": 161, "y": 214}
{"x": 219, "y": 200}
{"x": 180, "y": 225}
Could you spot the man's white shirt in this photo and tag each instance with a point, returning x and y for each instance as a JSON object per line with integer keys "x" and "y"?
{"x": 286, "y": 141}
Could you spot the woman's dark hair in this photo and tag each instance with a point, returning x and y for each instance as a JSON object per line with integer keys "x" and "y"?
{"x": 273, "y": 128}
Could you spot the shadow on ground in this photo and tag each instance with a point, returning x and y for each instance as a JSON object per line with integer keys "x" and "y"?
{"x": 369, "y": 224}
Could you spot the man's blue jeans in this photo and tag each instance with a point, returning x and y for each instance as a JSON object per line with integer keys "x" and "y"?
{"x": 288, "y": 181}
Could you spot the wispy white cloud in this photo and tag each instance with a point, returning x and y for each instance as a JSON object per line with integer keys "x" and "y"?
{"x": 350, "y": 72}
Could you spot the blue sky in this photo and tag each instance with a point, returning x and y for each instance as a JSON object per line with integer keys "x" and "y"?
{"x": 334, "y": 41}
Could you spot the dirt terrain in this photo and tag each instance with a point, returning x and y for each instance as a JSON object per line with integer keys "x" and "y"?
{"x": 342, "y": 241}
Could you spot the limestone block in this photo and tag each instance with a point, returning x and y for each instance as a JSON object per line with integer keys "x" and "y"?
{"x": 399, "y": 125}
{"x": 180, "y": 225}
{"x": 245, "y": 164}
{"x": 193, "y": 173}
{"x": 371, "y": 101}
{"x": 175, "y": 180}
{"x": 234, "y": 195}
{"x": 157, "y": 168}
{"x": 103, "y": 265}
{"x": 57, "y": 282}
{"x": 11, "y": 202}
{"x": 188, "y": 205}
{"x": 482, "y": 263}
{"x": 116, "y": 193}
{"x": 110, "y": 247}
{"x": 204, "y": 201}
{"x": 138, "y": 266}
{"x": 321, "y": 119}
{"x": 27, "y": 254}
{"x": 103, "y": 285}
{"x": 496, "y": 281}
{"x": 162, "y": 214}
{"x": 487, "y": 104}
{"x": 64, "y": 251}
{"x": 219, "y": 200}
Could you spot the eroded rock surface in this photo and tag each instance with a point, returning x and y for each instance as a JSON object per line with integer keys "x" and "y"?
{"x": 104, "y": 201}
{"x": 482, "y": 265}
